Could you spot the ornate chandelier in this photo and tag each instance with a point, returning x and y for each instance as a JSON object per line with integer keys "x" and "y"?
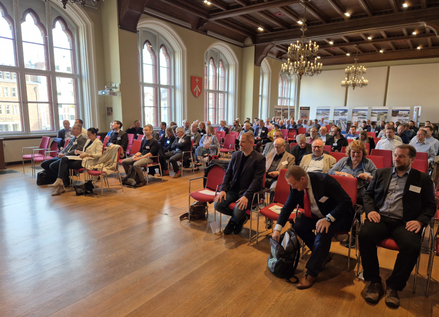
{"x": 354, "y": 76}
{"x": 81, "y": 2}
{"x": 302, "y": 56}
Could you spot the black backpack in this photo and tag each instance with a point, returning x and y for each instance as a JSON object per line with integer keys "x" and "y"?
{"x": 85, "y": 188}
{"x": 283, "y": 262}
{"x": 45, "y": 179}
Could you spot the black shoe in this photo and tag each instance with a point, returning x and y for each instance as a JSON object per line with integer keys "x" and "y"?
{"x": 353, "y": 241}
{"x": 240, "y": 225}
{"x": 392, "y": 298}
{"x": 229, "y": 228}
{"x": 374, "y": 292}
{"x": 269, "y": 224}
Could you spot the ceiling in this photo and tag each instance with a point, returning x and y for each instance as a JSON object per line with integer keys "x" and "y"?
{"x": 376, "y": 30}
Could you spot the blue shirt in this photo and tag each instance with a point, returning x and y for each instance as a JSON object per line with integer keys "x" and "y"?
{"x": 392, "y": 207}
{"x": 423, "y": 147}
{"x": 351, "y": 136}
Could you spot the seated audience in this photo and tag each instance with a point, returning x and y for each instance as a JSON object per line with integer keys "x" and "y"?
{"x": 167, "y": 140}
{"x": 372, "y": 127}
{"x": 195, "y": 136}
{"x": 181, "y": 144}
{"x": 111, "y": 129}
{"x": 60, "y": 165}
{"x": 202, "y": 128}
{"x": 236, "y": 127}
{"x": 208, "y": 145}
{"x": 337, "y": 140}
{"x": 313, "y": 135}
{"x": 173, "y": 125}
{"x": 135, "y": 129}
{"x": 302, "y": 148}
{"x": 118, "y": 137}
{"x": 328, "y": 210}
{"x": 316, "y": 124}
{"x": 268, "y": 124}
{"x": 242, "y": 179}
{"x": 323, "y": 134}
{"x": 162, "y": 131}
{"x": 318, "y": 161}
{"x": 255, "y": 123}
{"x": 269, "y": 147}
{"x": 353, "y": 134}
{"x": 365, "y": 138}
{"x": 431, "y": 140}
{"x": 133, "y": 165}
{"x": 275, "y": 161}
{"x": 398, "y": 203}
{"x": 421, "y": 145}
{"x": 208, "y": 123}
{"x": 92, "y": 151}
{"x": 402, "y": 135}
{"x": 245, "y": 129}
{"x": 223, "y": 127}
{"x": 413, "y": 126}
{"x": 261, "y": 133}
{"x": 389, "y": 143}
{"x": 409, "y": 132}
{"x": 81, "y": 123}
{"x": 270, "y": 134}
{"x": 66, "y": 132}
{"x": 186, "y": 127}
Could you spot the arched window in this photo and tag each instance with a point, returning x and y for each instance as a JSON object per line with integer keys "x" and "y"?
{"x": 286, "y": 94}
{"x": 157, "y": 79}
{"x": 39, "y": 95}
{"x": 264, "y": 92}
{"x": 216, "y": 89}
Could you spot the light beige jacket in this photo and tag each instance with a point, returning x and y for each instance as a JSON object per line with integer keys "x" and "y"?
{"x": 328, "y": 162}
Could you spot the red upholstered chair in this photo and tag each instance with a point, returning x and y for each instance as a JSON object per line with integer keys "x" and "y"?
{"x": 77, "y": 173}
{"x": 328, "y": 148}
{"x": 134, "y": 149}
{"x": 372, "y": 134}
{"x": 220, "y": 135}
{"x": 387, "y": 154}
{"x": 99, "y": 137}
{"x": 214, "y": 180}
{"x": 302, "y": 130}
{"x": 280, "y": 197}
{"x": 235, "y": 134}
{"x": 343, "y": 149}
{"x": 420, "y": 165}
{"x": 367, "y": 147}
{"x": 377, "y": 160}
{"x": 185, "y": 155}
{"x": 434, "y": 249}
{"x": 50, "y": 154}
{"x": 328, "y": 127}
{"x": 229, "y": 144}
{"x": 422, "y": 156}
{"x": 215, "y": 130}
{"x": 37, "y": 151}
{"x": 351, "y": 140}
{"x": 104, "y": 175}
{"x": 130, "y": 142}
{"x": 155, "y": 163}
{"x": 292, "y": 135}
{"x": 338, "y": 155}
{"x": 284, "y": 134}
{"x": 105, "y": 143}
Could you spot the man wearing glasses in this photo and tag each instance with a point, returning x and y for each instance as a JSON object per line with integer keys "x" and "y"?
{"x": 317, "y": 162}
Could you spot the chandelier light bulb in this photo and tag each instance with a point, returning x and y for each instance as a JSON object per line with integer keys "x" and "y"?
{"x": 354, "y": 76}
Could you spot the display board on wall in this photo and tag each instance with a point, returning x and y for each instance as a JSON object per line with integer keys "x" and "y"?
{"x": 359, "y": 114}
{"x": 379, "y": 114}
{"x": 401, "y": 114}
{"x": 341, "y": 118}
{"x": 323, "y": 113}
{"x": 283, "y": 112}
{"x": 304, "y": 113}
{"x": 278, "y": 112}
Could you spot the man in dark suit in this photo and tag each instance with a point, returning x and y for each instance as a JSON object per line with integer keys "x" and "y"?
{"x": 181, "y": 144}
{"x": 135, "y": 129}
{"x": 337, "y": 141}
{"x": 261, "y": 133}
{"x": 328, "y": 210}
{"x": 243, "y": 178}
{"x": 65, "y": 133}
{"x": 398, "y": 203}
{"x": 118, "y": 136}
{"x": 301, "y": 149}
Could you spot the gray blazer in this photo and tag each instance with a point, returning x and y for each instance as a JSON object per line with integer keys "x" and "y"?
{"x": 75, "y": 143}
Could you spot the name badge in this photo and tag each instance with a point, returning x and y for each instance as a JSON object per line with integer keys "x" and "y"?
{"x": 192, "y": 138}
{"x": 284, "y": 163}
{"x": 74, "y": 143}
{"x": 323, "y": 199}
{"x": 119, "y": 138}
{"x": 147, "y": 147}
{"x": 415, "y": 189}
{"x": 335, "y": 144}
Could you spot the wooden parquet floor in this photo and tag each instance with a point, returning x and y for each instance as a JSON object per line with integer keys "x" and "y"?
{"x": 127, "y": 254}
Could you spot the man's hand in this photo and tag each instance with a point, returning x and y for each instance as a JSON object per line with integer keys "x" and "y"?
{"x": 220, "y": 196}
{"x": 206, "y": 146}
{"x": 276, "y": 235}
{"x": 273, "y": 174}
{"x": 322, "y": 225}
{"x": 242, "y": 202}
{"x": 413, "y": 226}
{"x": 61, "y": 155}
{"x": 136, "y": 158}
{"x": 373, "y": 216}
{"x": 83, "y": 155}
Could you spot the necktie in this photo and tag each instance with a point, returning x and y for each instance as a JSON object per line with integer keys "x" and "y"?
{"x": 307, "y": 204}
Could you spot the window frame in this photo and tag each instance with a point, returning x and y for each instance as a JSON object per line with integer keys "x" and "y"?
{"x": 285, "y": 96}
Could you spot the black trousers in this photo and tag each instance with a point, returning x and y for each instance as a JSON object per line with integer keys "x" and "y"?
{"x": 409, "y": 244}
{"x": 59, "y": 167}
{"x": 174, "y": 157}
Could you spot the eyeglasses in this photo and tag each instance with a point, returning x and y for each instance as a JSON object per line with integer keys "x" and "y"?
{"x": 317, "y": 146}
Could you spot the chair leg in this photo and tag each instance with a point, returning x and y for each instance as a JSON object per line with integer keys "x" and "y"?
{"x": 102, "y": 184}
{"x": 23, "y": 164}
{"x": 189, "y": 209}
{"x": 416, "y": 273}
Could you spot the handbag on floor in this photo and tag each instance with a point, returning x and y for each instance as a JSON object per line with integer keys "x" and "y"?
{"x": 284, "y": 256}
{"x": 45, "y": 179}
{"x": 198, "y": 211}
{"x": 85, "y": 188}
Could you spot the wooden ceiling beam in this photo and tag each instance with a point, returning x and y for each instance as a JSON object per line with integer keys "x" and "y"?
{"x": 289, "y": 13}
{"x": 327, "y": 52}
{"x": 424, "y": 4}
{"x": 273, "y": 19}
{"x": 404, "y": 31}
{"x": 365, "y": 7}
{"x": 233, "y": 27}
{"x": 383, "y": 33}
{"x": 429, "y": 42}
{"x": 354, "y": 26}
{"x": 375, "y": 48}
{"x": 337, "y": 7}
{"x": 242, "y": 2}
{"x": 189, "y": 8}
{"x": 410, "y": 43}
{"x": 250, "y": 9}
{"x": 256, "y": 24}
{"x": 219, "y": 4}
{"x": 311, "y": 9}
{"x": 357, "y": 48}
{"x": 344, "y": 38}
{"x": 394, "y": 5}
{"x": 392, "y": 46}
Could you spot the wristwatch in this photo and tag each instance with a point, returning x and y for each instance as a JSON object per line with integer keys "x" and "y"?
{"x": 328, "y": 219}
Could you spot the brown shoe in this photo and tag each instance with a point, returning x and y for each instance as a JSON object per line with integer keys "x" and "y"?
{"x": 306, "y": 282}
{"x": 392, "y": 298}
{"x": 177, "y": 175}
{"x": 327, "y": 260}
{"x": 374, "y": 292}
{"x": 166, "y": 173}
{"x": 141, "y": 184}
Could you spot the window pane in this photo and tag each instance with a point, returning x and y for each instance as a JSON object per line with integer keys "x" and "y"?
{"x": 150, "y": 106}
{"x": 165, "y": 104}
{"x": 212, "y": 106}
{"x": 165, "y": 67}
{"x": 37, "y": 88}
{"x": 65, "y": 88}
{"x": 33, "y": 44}
{"x": 221, "y": 77}
{"x": 212, "y": 75}
{"x": 40, "y": 115}
{"x": 7, "y": 55}
{"x": 221, "y": 107}
{"x": 66, "y": 112}
{"x": 10, "y": 117}
{"x": 149, "y": 74}
{"x": 61, "y": 38}
{"x": 62, "y": 49}
{"x": 8, "y": 87}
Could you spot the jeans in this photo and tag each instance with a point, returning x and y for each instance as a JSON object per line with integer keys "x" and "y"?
{"x": 237, "y": 214}
{"x": 319, "y": 243}
{"x": 60, "y": 167}
{"x": 200, "y": 152}
{"x": 409, "y": 244}
{"x": 132, "y": 168}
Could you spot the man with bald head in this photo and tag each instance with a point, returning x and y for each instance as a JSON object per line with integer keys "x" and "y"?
{"x": 242, "y": 179}
{"x": 318, "y": 162}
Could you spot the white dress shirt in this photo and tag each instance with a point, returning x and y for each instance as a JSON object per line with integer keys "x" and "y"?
{"x": 386, "y": 144}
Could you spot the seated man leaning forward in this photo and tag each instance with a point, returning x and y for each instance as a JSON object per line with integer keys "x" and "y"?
{"x": 243, "y": 178}
{"x": 398, "y": 203}
{"x": 328, "y": 210}
{"x": 149, "y": 147}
